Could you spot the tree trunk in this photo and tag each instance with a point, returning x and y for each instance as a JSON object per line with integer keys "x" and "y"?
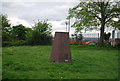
{"x": 103, "y": 18}
{"x": 101, "y": 41}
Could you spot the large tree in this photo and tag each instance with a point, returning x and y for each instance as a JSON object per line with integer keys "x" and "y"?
{"x": 5, "y": 27}
{"x": 91, "y": 15}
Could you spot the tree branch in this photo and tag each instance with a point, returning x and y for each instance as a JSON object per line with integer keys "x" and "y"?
{"x": 111, "y": 11}
{"x": 112, "y": 16}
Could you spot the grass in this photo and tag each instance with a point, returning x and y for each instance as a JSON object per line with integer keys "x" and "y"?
{"x": 32, "y": 62}
{"x": 0, "y": 63}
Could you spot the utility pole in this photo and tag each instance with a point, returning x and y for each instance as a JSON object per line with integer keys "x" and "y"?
{"x": 69, "y": 26}
{"x": 66, "y": 25}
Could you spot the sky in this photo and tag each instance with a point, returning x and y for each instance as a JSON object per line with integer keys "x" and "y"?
{"x": 27, "y": 12}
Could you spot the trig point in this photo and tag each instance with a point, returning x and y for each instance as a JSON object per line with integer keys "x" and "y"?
{"x": 61, "y": 48}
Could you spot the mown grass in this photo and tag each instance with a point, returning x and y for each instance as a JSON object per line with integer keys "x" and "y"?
{"x": 32, "y": 62}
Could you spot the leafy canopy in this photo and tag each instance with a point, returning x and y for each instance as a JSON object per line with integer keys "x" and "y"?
{"x": 19, "y": 32}
{"x": 41, "y": 33}
{"x": 43, "y": 27}
{"x": 4, "y": 23}
{"x": 90, "y": 15}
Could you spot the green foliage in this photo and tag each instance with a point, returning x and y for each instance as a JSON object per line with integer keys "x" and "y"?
{"x": 94, "y": 15}
{"x": 32, "y": 62}
{"x": 6, "y": 36}
{"x": 14, "y": 43}
{"x": 117, "y": 46}
{"x": 116, "y": 24}
{"x": 43, "y": 27}
{"x": 78, "y": 37}
{"x": 18, "y": 35}
{"x": 107, "y": 36}
{"x": 14, "y": 37}
{"x": 40, "y": 39}
{"x": 5, "y": 28}
{"x": 84, "y": 18}
{"x": 6, "y": 43}
{"x": 19, "y": 32}
{"x": 5, "y": 23}
{"x": 89, "y": 15}
{"x": 41, "y": 34}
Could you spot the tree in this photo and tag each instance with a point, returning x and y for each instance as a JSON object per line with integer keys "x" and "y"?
{"x": 43, "y": 27}
{"x": 19, "y": 32}
{"x": 41, "y": 33}
{"x": 5, "y": 28}
{"x": 116, "y": 24}
{"x": 28, "y": 33}
{"x": 94, "y": 15}
{"x": 5, "y": 23}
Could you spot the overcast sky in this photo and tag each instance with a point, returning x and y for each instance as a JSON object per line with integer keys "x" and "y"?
{"x": 27, "y": 11}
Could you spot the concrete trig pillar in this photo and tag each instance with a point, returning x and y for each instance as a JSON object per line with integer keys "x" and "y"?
{"x": 61, "y": 48}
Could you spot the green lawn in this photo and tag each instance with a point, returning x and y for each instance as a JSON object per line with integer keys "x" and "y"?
{"x": 32, "y": 62}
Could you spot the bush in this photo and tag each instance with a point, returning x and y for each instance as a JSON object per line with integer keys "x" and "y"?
{"x": 6, "y": 43}
{"x": 117, "y": 46}
{"x": 39, "y": 39}
{"x": 19, "y": 43}
{"x": 13, "y": 43}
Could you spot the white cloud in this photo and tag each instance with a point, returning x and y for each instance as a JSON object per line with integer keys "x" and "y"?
{"x": 17, "y": 21}
{"x": 0, "y": 8}
{"x": 57, "y": 27}
{"x": 40, "y": 0}
{"x": 32, "y": 11}
{"x": 25, "y": 12}
{"x": 56, "y": 0}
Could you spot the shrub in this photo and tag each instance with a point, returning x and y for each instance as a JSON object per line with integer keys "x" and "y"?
{"x": 6, "y": 43}
{"x": 39, "y": 39}
{"x": 13, "y": 43}
{"x": 117, "y": 46}
{"x": 19, "y": 43}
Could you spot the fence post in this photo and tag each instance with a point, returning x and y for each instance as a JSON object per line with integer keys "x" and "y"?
{"x": 117, "y": 35}
{"x": 113, "y": 34}
{"x": 98, "y": 36}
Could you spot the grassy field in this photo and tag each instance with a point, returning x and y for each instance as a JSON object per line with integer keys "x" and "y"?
{"x": 0, "y": 63}
{"x": 32, "y": 62}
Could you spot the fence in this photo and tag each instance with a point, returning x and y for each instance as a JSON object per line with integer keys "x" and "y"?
{"x": 95, "y": 37}
{"x": 91, "y": 37}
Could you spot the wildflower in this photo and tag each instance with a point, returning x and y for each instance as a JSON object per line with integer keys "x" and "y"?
{"x": 61, "y": 77}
